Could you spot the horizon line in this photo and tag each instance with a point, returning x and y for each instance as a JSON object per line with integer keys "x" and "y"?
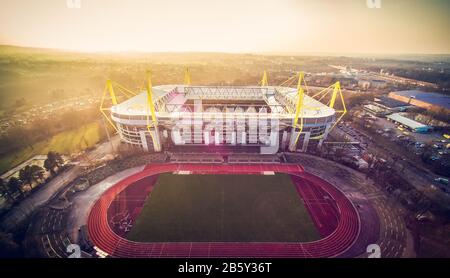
{"x": 262, "y": 53}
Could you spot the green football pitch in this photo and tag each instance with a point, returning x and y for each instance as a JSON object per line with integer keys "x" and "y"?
{"x": 224, "y": 208}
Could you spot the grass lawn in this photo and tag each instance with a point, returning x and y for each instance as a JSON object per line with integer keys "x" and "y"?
{"x": 224, "y": 208}
{"x": 65, "y": 143}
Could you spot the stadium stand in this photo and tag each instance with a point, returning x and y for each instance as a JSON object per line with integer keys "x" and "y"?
{"x": 249, "y": 158}
{"x": 196, "y": 158}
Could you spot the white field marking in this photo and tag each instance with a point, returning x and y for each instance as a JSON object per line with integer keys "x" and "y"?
{"x": 268, "y": 173}
{"x": 182, "y": 172}
{"x": 100, "y": 252}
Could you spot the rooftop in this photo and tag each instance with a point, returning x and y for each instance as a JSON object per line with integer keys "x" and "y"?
{"x": 406, "y": 121}
{"x": 432, "y": 98}
{"x": 390, "y": 102}
{"x": 137, "y": 105}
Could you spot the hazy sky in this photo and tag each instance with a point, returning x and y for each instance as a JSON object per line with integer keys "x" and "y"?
{"x": 294, "y": 26}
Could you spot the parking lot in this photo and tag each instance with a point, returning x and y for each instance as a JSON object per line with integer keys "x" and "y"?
{"x": 395, "y": 143}
{"x": 418, "y": 137}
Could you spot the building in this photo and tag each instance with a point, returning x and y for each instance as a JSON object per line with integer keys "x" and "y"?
{"x": 378, "y": 84}
{"x": 391, "y": 104}
{"x": 364, "y": 84}
{"x": 409, "y": 123}
{"x": 382, "y": 106}
{"x": 254, "y": 119}
{"x": 367, "y": 83}
{"x": 375, "y": 109}
{"x": 422, "y": 99}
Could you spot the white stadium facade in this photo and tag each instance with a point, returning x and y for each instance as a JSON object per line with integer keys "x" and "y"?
{"x": 256, "y": 119}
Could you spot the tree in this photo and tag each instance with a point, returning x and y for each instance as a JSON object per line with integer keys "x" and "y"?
{"x": 32, "y": 173}
{"x": 7, "y": 190}
{"x": 54, "y": 161}
{"x": 14, "y": 185}
{"x": 4, "y": 187}
{"x": 8, "y": 247}
{"x": 38, "y": 173}
{"x": 26, "y": 176}
{"x": 359, "y": 99}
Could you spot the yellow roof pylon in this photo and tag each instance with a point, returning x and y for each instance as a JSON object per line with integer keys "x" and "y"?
{"x": 187, "y": 77}
{"x": 299, "y": 107}
{"x": 264, "y": 79}
{"x": 149, "y": 90}
{"x": 153, "y": 123}
{"x": 115, "y": 90}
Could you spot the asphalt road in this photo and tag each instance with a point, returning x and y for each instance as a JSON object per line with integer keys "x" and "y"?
{"x": 25, "y": 208}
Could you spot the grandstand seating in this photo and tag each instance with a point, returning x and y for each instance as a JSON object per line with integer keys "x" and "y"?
{"x": 196, "y": 158}
{"x": 251, "y": 158}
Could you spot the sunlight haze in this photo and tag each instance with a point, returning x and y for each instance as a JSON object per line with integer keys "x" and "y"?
{"x": 279, "y": 26}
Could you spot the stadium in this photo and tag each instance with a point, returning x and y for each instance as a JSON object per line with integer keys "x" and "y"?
{"x": 222, "y": 189}
{"x": 237, "y": 119}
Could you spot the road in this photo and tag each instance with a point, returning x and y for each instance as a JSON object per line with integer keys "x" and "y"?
{"x": 421, "y": 178}
{"x": 26, "y": 207}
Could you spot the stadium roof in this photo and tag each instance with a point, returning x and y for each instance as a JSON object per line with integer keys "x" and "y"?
{"x": 432, "y": 98}
{"x": 137, "y": 105}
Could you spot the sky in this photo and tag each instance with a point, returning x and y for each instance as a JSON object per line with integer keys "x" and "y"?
{"x": 249, "y": 26}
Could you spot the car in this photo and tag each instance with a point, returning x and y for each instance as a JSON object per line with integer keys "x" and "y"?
{"x": 420, "y": 145}
{"x": 410, "y": 143}
{"x": 441, "y": 181}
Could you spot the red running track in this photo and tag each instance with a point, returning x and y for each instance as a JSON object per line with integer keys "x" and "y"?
{"x": 335, "y": 243}
{"x": 320, "y": 204}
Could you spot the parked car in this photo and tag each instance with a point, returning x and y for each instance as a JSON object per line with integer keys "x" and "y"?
{"x": 420, "y": 145}
{"x": 441, "y": 181}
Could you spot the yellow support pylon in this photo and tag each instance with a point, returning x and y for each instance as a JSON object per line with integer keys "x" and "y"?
{"x": 337, "y": 91}
{"x": 300, "y": 97}
{"x": 150, "y": 98}
{"x": 187, "y": 77}
{"x": 264, "y": 79}
{"x": 154, "y": 123}
{"x": 299, "y": 107}
{"x": 103, "y": 108}
{"x": 111, "y": 91}
{"x": 109, "y": 88}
